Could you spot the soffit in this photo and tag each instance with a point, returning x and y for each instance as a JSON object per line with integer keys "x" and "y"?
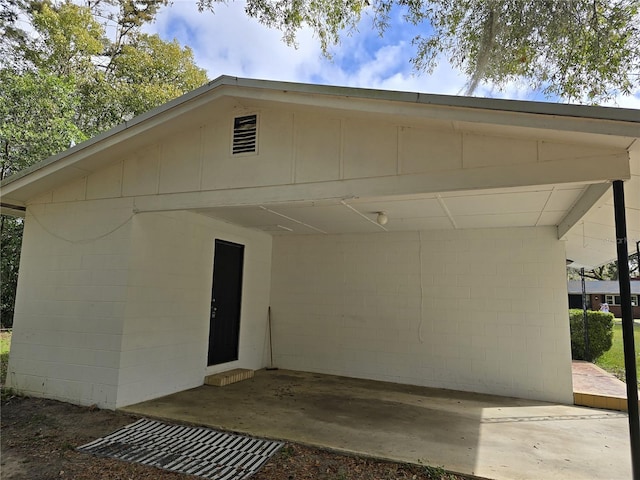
{"x": 526, "y": 207}
{"x": 592, "y": 241}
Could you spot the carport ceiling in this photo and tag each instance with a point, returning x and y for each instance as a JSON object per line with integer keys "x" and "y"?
{"x": 516, "y": 207}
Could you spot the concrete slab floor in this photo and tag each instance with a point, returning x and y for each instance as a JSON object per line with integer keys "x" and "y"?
{"x": 483, "y": 435}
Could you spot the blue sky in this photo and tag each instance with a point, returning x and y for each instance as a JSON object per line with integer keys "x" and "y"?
{"x": 230, "y": 43}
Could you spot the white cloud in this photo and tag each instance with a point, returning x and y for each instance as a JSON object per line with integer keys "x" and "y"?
{"x": 627, "y": 101}
{"x": 228, "y": 42}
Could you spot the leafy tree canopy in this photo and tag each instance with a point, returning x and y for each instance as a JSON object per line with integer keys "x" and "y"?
{"x": 37, "y": 118}
{"x": 580, "y": 50}
{"x": 116, "y": 76}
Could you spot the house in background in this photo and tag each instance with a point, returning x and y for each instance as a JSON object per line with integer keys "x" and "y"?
{"x": 152, "y": 252}
{"x": 603, "y": 291}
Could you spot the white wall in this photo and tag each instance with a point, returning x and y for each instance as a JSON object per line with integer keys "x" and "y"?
{"x": 70, "y": 302}
{"x": 493, "y": 317}
{"x": 306, "y": 145}
{"x": 113, "y": 307}
{"x": 166, "y": 329}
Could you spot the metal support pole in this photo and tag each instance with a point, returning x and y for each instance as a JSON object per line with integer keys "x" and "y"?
{"x": 627, "y": 326}
{"x": 585, "y": 320}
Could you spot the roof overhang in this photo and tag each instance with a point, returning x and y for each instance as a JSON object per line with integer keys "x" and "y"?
{"x": 601, "y": 287}
{"x": 594, "y": 127}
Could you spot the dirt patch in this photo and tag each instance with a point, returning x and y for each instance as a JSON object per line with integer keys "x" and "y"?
{"x": 39, "y": 438}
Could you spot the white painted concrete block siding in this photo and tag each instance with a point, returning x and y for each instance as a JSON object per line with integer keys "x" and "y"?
{"x": 71, "y": 301}
{"x": 165, "y": 336}
{"x": 115, "y": 281}
{"x": 492, "y": 317}
{"x": 119, "y": 320}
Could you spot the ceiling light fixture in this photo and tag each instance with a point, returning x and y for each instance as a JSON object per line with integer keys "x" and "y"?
{"x": 367, "y": 217}
{"x": 382, "y": 218}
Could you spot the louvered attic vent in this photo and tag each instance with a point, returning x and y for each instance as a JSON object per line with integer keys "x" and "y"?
{"x": 245, "y": 133}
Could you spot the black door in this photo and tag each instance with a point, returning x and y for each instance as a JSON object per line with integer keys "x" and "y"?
{"x": 224, "y": 327}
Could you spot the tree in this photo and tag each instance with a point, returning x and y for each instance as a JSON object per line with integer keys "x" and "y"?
{"x": 116, "y": 78}
{"x": 10, "y": 33}
{"x": 634, "y": 262}
{"x": 151, "y": 72}
{"x": 66, "y": 81}
{"x": 11, "y": 238}
{"x": 36, "y": 120}
{"x": 608, "y": 271}
{"x": 580, "y": 50}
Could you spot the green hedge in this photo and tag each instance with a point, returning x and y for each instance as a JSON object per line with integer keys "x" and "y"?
{"x": 600, "y": 333}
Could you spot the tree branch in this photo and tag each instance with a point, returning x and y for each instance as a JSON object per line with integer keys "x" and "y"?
{"x": 486, "y": 46}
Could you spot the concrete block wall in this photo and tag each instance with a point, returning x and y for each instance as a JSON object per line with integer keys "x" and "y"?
{"x": 166, "y": 327}
{"x": 481, "y": 310}
{"x": 113, "y": 307}
{"x": 70, "y": 301}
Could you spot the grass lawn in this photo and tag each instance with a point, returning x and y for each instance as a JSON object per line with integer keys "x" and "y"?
{"x": 613, "y": 360}
{"x": 5, "y": 345}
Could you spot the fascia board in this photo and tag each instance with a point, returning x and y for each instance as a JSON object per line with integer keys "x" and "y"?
{"x": 551, "y": 111}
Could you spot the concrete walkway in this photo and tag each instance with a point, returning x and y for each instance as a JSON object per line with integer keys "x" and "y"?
{"x": 483, "y": 435}
{"x": 594, "y": 387}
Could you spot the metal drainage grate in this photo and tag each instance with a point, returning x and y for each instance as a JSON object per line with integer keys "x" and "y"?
{"x": 192, "y": 450}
